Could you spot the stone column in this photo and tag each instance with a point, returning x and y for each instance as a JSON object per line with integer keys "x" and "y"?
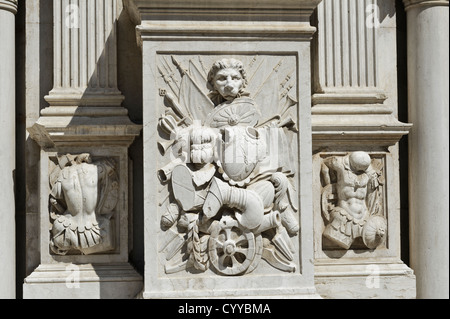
{"x": 8, "y": 9}
{"x": 428, "y": 82}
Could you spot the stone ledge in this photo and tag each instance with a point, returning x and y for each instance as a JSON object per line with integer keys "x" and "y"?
{"x": 225, "y": 20}
{"x": 88, "y": 127}
{"x": 108, "y": 281}
{"x": 349, "y": 97}
{"x": 249, "y": 4}
{"x": 285, "y": 293}
{"x": 143, "y": 9}
{"x": 356, "y": 129}
{"x": 365, "y": 281}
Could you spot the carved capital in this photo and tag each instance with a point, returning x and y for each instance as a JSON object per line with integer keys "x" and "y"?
{"x": 409, "y": 4}
{"x": 9, "y": 5}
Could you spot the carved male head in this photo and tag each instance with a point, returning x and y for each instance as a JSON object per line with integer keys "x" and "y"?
{"x": 359, "y": 161}
{"x": 227, "y": 78}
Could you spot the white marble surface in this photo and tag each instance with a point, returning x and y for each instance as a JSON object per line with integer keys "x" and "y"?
{"x": 69, "y": 281}
{"x": 264, "y": 280}
{"x": 7, "y": 154}
{"x": 209, "y": 41}
{"x": 428, "y": 82}
{"x": 85, "y": 119}
{"x": 355, "y": 109}
{"x": 345, "y": 117}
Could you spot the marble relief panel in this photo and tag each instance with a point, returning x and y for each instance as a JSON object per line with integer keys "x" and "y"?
{"x": 83, "y": 204}
{"x": 227, "y": 169}
{"x": 353, "y": 201}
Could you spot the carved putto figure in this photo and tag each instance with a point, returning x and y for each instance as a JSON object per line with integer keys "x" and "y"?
{"x": 352, "y": 200}
{"x": 233, "y": 202}
{"x": 83, "y": 197}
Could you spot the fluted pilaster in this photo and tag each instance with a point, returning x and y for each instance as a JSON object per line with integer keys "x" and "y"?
{"x": 346, "y": 66}
{"x": 85, "y": 101}
{"x": 85, "y": 54}
{"x": 347, "y": 48}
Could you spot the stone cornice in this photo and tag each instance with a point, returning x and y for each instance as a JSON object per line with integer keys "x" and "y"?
{"x": 253, "y": 20}
{"x": 9, "y": 5}
{"x": 230, "y": 10}
{"x": 409, "y": 4}
{"x": 220, "y": 4}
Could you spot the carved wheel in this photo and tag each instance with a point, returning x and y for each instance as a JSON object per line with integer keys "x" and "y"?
{"x": 233, "y": 250}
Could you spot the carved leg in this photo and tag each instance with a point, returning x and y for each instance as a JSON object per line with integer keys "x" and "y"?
{"x": 248, "y": 202}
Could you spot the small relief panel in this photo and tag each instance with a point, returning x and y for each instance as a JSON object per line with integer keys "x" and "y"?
{"x": 352, "y": 201}
{"x": 228, "y": 143}
{"x": 84, "y": 195}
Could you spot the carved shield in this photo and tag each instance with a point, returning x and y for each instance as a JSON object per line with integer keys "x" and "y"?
{"x": 242, "y": 149}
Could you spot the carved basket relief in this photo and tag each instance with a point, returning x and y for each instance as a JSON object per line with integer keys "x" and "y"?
{"x": 352, "y": 201}
{"x": 84, "y": 194}
{"x": 227, "y": 140}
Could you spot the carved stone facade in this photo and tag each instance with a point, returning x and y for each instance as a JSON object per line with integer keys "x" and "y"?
{"x": 223, "y": 149}
{"x": 226, "y": 180}
{"x": 84, "y": 134}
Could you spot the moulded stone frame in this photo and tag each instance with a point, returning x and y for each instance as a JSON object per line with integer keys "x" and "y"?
{"x": 390, "y": 249}
{"x": 120, "y": 253}
{"x": 159, "y": 285}
{"x": 348, "y": 273}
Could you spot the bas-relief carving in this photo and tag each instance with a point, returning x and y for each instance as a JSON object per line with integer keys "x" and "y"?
{"x": 352, "y": 200}
{"x": 228, "y": 176}
{"x": 83, "y": 198}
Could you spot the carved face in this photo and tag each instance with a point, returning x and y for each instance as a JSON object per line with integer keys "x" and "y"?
{"x": 228, "y": 82}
